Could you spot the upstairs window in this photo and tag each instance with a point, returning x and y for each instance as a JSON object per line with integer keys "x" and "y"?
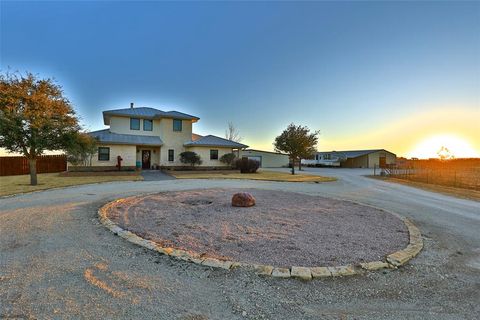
{"x": 103, "y": 154}
{"x": 170, "y": 154}
{"x": 134, "y": 124}
{"x": 213, "y": 154}
{"x": 177, "y": 125}
{"x": 147, "y": 125}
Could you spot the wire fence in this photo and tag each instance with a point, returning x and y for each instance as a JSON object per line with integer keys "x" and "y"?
{"x": 459, "y": 173}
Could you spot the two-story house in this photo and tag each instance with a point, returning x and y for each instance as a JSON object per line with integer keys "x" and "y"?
{"x": 148, "y": 137}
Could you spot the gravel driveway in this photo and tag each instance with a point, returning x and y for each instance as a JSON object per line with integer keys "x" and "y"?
{"x": 57, "y": 261}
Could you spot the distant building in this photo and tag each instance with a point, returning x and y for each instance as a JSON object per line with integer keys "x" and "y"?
{"x": 267, "y": 159}
{"x": 353, "y": 159}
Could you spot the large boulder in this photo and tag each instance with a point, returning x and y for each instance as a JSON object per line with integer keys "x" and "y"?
{"x": 243, "y": 199}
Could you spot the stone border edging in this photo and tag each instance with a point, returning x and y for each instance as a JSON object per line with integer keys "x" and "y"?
{"x": 393, "y": 261}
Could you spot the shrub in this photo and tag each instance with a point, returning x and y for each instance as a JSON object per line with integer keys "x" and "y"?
{"x": 190, "y": 157}
{"x": 228, "y": 158}
{"x": 247, "y": 165}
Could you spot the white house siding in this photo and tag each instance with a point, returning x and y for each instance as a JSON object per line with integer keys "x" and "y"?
{"x": 122, "y": 125}
{"x": 173, "y": 140}
{"x": 127, "y": 152}
{"x": 204, "y": 153}
{"x": 268, "y": 159}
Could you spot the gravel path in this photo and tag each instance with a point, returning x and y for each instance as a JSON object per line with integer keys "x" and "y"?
{"x": 58, "y": 261}
{"x": 283, "y": 229}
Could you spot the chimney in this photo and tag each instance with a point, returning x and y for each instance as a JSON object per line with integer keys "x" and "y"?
{"x": 131, "y": 105}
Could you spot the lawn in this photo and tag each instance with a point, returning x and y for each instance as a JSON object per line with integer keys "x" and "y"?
{"x": 20, "y": 184}
{"x": 450, "y": 191}
{"x": 260, "y": 175}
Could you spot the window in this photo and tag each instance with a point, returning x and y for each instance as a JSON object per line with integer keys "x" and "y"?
{"x": 177, "y": 125}
{"x": 134, "y": 124}
{"x": 147, "y": 125}
{"x": 327, "y": 157}
{"x": 103, "y": 154}
{"x": 213, "y": 154}
{"x": 170, "y": 154}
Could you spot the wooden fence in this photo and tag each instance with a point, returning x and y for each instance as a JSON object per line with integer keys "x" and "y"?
{"x": 10, "y": 166}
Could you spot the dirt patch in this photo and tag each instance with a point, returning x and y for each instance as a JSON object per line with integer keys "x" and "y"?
{"x": 282, "y": 229}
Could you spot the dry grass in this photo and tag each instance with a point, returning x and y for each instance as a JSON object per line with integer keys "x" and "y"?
{"x": 20, "y": 184}
{"x": 450, "y": 191}
{"x": 261, "y": 175}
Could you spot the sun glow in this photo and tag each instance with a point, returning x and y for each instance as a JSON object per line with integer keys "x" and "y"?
{"x": 446, "y": 144}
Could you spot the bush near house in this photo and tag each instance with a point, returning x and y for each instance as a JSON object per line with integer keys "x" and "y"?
{"x": 228, "y": 158}
{"x": 190, "y": 157}
{"x": 247, "y": 165}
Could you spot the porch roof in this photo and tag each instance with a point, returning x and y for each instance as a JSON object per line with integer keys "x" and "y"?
{"x": 105, "y": 136}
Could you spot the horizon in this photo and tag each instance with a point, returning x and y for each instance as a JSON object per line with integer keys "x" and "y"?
{"x": 404, "y": 77}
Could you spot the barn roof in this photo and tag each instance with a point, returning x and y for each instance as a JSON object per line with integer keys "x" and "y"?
{"x": 353, "y": 153}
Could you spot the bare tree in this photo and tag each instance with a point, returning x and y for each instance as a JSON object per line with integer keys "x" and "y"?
{"x": 445, "y": 154}
{"x": 232, "y": 133}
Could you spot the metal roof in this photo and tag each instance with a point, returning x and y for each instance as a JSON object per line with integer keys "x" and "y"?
{"x": 214, "y": 141}
{"x": 353, "y": 153}
{"x": 145, "y": 112}
{"x": 105, "y": 136}
{"x": 262, "y": 151}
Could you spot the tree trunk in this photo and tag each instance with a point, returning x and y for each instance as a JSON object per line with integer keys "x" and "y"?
{"x": 33, "y": 171}
{"x": 293, "y": 166}
{"x": 300, "y": 165}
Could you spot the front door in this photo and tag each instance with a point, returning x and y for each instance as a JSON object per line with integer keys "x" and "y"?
{"x": 145, "y": 159}
{"x": 383, "y": 162}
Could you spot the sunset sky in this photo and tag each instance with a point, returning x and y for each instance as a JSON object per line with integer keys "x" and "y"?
{"x": 403, "y": 76}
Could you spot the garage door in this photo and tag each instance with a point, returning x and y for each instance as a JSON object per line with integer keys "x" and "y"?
{"x": 256, "y": 158}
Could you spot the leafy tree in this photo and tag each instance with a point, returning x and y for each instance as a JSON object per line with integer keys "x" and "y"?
{"x": 82, "y": 149}
{"x": 190, "y": 157}
{"x": 298, "y": 143}
{"x": 34, "y": 117}
{"x": 232, "y": 133}
{"x": 228, "y": 158}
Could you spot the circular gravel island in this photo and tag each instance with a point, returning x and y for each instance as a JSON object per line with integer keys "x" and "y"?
{"x": 283, "y": 229}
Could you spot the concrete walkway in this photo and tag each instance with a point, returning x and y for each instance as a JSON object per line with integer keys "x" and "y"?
{"x": 156, "y": 175}
{"x": 58, "y": 261}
